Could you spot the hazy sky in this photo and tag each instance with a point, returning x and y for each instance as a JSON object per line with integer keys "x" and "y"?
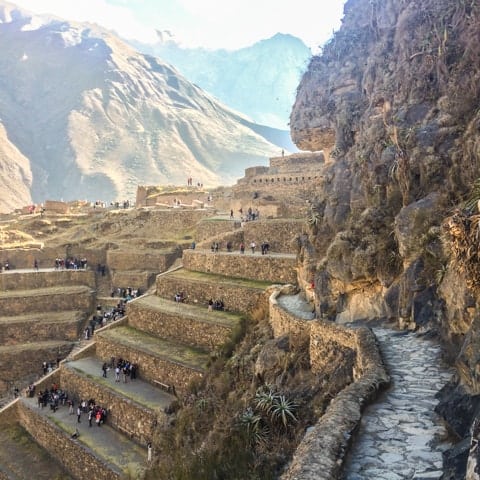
{"x": 228, "y": 24}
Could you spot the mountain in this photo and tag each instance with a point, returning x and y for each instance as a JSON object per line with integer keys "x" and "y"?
{"x": 91, "y": 118}
{"x": 260, "y": 80}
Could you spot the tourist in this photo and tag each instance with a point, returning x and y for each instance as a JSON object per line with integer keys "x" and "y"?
{"x": 117, "y": 374}
{"x": 229, "y": 246}
{"x": 79, "y": 413}
{"x": 242, "y": 247}
{"x": 253, "y": 246}
{"x": 149, "y": 451}
{"x": 104, "y": 369}
{"x": 210, "y": 305}
{"x": 231, "y": 213}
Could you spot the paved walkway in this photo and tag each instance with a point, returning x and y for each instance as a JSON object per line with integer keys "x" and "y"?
{"x": 112, "y": 447}
{"x": 136, "y": 390}
{"x": 400, "y": 435}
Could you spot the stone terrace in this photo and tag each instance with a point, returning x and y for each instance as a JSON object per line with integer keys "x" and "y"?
{"x": 238, "y": 295}
{"x": 275, "y": 268}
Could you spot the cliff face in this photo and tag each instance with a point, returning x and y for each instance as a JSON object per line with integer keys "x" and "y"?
{"x": 394, "y": 98}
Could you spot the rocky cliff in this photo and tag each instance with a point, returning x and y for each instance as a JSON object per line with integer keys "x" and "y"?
{"x": 394, "y": 100}
{"x": 95, "y": 118}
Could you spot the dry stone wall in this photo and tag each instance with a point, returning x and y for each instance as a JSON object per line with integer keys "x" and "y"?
{"x": 151, "y": 368}
{"x": 267, "y": 268}
{"x": 79, "y": 461}
{"x": 24, "y": 330}
{"x": 279, "y": 233}
{"x": 320, "y": 454}
{"x": 18, "y": 364}
{"x": 236, "y": 299}
{"x": 210, "y": 228}
{"x": 25, "y": 281}
{"x": 125, "y": 415}
{"x": 140, "y": 260}
{"x": 181, "y": 327}
{"x": 20, "y": 302}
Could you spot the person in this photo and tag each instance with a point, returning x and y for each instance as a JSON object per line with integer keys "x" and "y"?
{"x": 117, "y": 373}
{"x": 104, "y": 369}
{"x": 79, "y": 413}
{"x": 210, "y": 305}
{"x": 229, "y": 246}
{"x": 242, "y": 248}
{"x": 90, "y": 417}
{"x": 35, "y": 264}
{"x": 252, "y": 246}
{"x": 149, "y": 451}
{"x": 231, "y": 213}
{"x": 192, "y": 246}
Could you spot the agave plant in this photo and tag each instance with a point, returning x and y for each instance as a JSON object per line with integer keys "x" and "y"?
{"x": 265, "y": 397}
{"x": 253, "y": 426}
{"x": 283, "y": 410}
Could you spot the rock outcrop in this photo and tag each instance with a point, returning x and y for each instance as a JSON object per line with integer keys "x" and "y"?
{"x": 394, "y": 98}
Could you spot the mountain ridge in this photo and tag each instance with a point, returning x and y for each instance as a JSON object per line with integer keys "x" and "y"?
{"x": 95, "y": 118}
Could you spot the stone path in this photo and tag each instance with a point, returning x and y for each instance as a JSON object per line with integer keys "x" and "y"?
{"x": 400, "y": 436}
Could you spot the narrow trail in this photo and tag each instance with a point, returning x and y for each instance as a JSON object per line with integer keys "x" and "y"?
{"x": 400, "y": 436}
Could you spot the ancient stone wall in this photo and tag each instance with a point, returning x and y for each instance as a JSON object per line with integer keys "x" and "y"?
{"x": 182, "y": 326}
{"x": 20, "y": 364}
{"x": 267, "y": 268}
{"x": 136, "y": 279}
{"x": 47, "y": 300}
{"x": 56, "y": 206}
{"x": 20, "y": 330}
{"x": 298, "y": 162}
{"x": 279, "y": 233}
{"x": 151, "y": 368}
{"x": 321, "y": 453}
{"x": 25, "y": 281}
{"x": 151, "y": 260}
{"x": 81, "y": 462}
{"x": 124, "y": 414}
{"x": 200, "y": 292}
{"x": 213, "y": 227}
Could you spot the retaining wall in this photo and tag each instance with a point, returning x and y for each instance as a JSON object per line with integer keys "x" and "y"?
{"x": 279, "y": 233}
{"x": 267, "y": 268}
{"x": 182, "y": 326}
{"x": 199, "y": 292}
{"x": 29, "y": 280}
{"x": 21, "y": 331}
{"x": 133, "y": 259}
{"x": 124, "y": 415}
{"x": 321, "y": 453}
{"x": 213, "y": 227}
{"x": 26, "y": 301}
{"x": 150, "y": 367}
{"x": 80, "y": 461}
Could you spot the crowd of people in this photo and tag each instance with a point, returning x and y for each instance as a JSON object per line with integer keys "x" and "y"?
{"x": 122, "y": 368}
{"x": 216, "y": 305}
{"x": 72, "y": 263}
{"x": 264, "y": 247}
{"x": 126, "y": 294}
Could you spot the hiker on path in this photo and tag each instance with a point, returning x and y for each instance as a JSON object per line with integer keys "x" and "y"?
{"x": 79, "y": 413}
{"x": 104, "y": 369}
{"x": 252, "y": 246}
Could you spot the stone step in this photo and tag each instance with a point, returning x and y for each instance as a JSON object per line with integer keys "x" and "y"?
{"x": 41, "y": 326}
{"x": 134, "y": 406}
{"x": 238, "y": 295}
{"x": 20, "y": 455}
{"x": 99, "y": 453}
{"x": 22, "y": 364}
{"x": 186, "y": 324}
{"x": 51, "y": 299}
{"x": 273, "y": 267}
{"x": 160, "y": 362}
